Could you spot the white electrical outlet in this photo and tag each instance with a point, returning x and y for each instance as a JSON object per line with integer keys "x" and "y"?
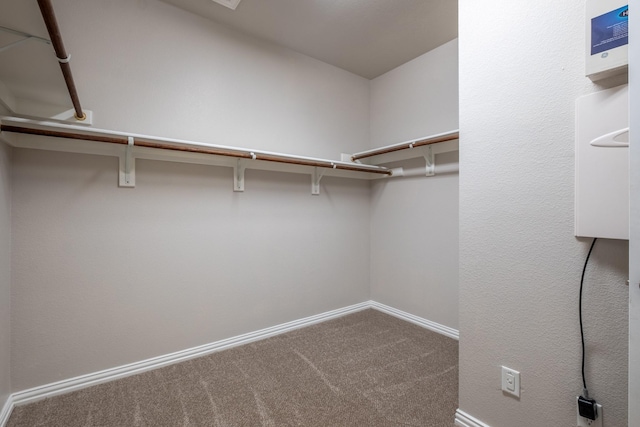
{"x": 585, "y": 422}
{"x": 510, "y": 381}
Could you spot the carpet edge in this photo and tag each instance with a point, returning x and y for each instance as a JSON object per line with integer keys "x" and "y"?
{"x": 83, "y": 381}
{"x": 80, "y": 382}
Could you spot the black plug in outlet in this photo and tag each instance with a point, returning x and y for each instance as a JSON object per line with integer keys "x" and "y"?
{"x": 587, "y": 408}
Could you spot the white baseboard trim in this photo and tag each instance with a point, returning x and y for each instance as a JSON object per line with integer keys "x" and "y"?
{"x": 427, "y": 324}
{"x": 88, "y": 380}
{"x": 6, "y": 411}
{"x": 83, "y": 381}
{"x": 465, "y": 420}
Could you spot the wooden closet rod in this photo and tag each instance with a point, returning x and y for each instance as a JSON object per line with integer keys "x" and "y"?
{"x": 46, "y": 8}
{"x": 218, "y": 151}
{"x": 405, "y": 145}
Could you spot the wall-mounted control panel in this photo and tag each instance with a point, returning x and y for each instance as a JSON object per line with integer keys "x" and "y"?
{"x": 607, "y": 38}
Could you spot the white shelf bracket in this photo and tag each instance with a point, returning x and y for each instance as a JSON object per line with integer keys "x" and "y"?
{"x": 316, "y": 176}
{"x": 127, "y": 174}
{"x": 238, "y": 176}
{"x": 430, "y": 161}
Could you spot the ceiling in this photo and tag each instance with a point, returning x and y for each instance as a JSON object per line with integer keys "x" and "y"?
{"x": 41, "y": 79}
{"x": 366, "y": 37}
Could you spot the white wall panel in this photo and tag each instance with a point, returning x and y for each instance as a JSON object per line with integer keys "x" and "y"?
{"x": 105, "y": 276}
{"x": 414, "y": 221}
{"x": 521, "y": 70}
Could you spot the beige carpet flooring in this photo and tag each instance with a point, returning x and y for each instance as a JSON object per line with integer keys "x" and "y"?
{"x": 366, "y": 369}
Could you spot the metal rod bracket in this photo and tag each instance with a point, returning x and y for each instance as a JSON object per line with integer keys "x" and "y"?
{"x": 127, "y": 175}
{"x": 50, "y": 21}
{"x": 238, "y": 176}
{"x": 316, "y": 176}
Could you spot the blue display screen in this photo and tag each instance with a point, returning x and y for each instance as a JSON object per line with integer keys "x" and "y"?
{"x": 610, "y": 30}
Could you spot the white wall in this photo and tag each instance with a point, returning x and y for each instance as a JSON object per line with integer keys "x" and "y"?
{"x": 634, "y": 244}
{"x": 148, "y": 67}
{"x": 521, "y": 70}
{"x": 416, "y": 99}
{"x": 414, "y": 221}
{"x": 105, "y": 276}
{"x": 5, "y": 273}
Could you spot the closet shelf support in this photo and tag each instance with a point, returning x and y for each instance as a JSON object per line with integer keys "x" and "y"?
{"x": 316, "y": 176}
{"x": 127, "y": 175}
{"x": 430, "y": 161}
{"x": 238, "y": 175}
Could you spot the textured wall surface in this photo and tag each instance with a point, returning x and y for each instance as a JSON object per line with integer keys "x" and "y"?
{"x": 414, "y": 221}
{"x": 520, "y": 264}
{"x": 634, "y": 244}
{"x": 149, "y": 67}
{"x": 5, "y": 273}
{"x": 105, "y": 275}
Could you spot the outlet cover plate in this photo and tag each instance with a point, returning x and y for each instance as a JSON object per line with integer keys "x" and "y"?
{"x": 584, "y": 422}
{"x": 510, "y": 381}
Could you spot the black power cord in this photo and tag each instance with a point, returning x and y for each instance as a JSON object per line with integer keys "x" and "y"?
{"x": 586, "y": 406}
